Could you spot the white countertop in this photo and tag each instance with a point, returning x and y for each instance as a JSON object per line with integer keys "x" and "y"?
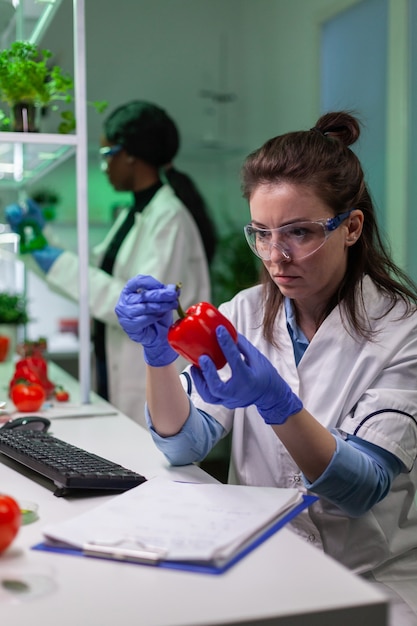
{"x": 284, "y": 581}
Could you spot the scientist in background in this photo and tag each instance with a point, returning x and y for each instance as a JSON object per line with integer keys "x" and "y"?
{"x": 158, "y": 235}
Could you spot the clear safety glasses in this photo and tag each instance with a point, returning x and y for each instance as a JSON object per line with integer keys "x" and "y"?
{"x": 295, "y": 241}
{"x": 105, "y": 154}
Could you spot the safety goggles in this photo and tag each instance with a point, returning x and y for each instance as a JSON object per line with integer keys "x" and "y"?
{"x": 295, "y": 241}
{"x": 106, "y": 153}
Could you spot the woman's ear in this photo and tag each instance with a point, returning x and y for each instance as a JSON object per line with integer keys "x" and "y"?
{"x": 354, "y": 226}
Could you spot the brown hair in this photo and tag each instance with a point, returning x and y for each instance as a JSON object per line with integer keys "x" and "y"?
{"x": 321, "y": 160}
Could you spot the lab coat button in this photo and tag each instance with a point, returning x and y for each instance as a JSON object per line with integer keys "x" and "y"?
{"x": 312, "y": 538}
{"x": 297, "y": 478}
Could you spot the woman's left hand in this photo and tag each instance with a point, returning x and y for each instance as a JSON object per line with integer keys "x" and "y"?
{"x": 254, "y": 380}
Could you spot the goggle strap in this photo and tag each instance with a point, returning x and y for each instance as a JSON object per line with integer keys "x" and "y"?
{"x": 334, "y": 222}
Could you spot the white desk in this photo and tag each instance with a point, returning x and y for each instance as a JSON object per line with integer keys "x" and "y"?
{"x": 283, "y": 582}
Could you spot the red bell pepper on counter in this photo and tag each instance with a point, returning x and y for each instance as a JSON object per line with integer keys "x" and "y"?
{"x": 194, "y": 334}
{"x": 4, "y": 347}
{"x": 33, "y": 369}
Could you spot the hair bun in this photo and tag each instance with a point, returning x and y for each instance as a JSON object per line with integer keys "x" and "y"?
{"x": 340, "y": 125}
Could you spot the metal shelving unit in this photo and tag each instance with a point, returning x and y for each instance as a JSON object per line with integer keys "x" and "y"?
{"x": 26, "y": 157}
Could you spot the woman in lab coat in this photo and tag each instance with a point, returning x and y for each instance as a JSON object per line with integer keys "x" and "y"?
{"x": 321, "y": 388}
{"x": 158, "y": 235}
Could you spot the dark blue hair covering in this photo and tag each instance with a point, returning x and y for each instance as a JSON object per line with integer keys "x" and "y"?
{"x": 145, "y": 131}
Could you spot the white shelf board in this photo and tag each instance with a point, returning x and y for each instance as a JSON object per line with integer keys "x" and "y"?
{"x": 25, "y": 162}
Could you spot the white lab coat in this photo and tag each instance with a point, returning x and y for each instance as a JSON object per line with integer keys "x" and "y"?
{"x": 358, "y": 387}
{"x": 165, "y": 243}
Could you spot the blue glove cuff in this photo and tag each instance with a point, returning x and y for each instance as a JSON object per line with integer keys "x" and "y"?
{"x": 159, "y": 356}
{"x": 46, "y": 257}
{"x": 289, "y": 405}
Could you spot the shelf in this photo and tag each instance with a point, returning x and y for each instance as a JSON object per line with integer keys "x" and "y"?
{"x": 25, "y": 157}
{"x": 28, "y": 23}
{"x": 38, "y": 138}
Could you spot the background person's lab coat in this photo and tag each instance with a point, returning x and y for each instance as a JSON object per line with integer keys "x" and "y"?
{"x": 164, "y": 242}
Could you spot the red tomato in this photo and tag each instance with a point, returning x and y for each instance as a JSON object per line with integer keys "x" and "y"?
{"x": 10, "y": 519}
{"x": 61, "y": 395}
{"x": 27, "y": 397}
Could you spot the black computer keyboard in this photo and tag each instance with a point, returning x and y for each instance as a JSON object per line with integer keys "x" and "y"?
{"x": 70, "y": 468}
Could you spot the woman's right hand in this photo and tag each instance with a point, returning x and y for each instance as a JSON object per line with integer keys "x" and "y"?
{"x": 254, "y": 380}
{"x": 145, "y": 312}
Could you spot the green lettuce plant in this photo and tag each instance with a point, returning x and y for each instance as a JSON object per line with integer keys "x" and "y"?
{"x": 26, "y": 76}
{"x": 13, "y": 309}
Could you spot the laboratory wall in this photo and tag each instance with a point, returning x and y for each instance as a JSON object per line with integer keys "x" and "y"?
{"x": 232, "y": 73}
{"x": 411, "y": 131}
{"x": 351, "y": 61}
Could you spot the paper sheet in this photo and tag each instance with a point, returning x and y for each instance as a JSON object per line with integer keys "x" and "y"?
{"x": 182, "y": 521}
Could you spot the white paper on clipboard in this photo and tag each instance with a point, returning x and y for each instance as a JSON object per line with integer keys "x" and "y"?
{"x": 171, "y": 521}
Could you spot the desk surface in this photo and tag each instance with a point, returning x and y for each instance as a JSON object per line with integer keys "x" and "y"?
{"x": 283, "y": 582}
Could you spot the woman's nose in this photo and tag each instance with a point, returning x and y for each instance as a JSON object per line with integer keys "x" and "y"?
{"x": 277, "y": 253}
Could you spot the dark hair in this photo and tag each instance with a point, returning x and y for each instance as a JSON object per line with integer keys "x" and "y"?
{"x": 321, "y": 160}
{"x": 188, "y": 193}
{"x": 147, "y": 132}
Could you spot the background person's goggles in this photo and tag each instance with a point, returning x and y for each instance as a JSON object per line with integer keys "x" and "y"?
{"x": 106, "y": 153}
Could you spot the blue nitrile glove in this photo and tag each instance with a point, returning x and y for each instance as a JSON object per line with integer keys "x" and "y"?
{"x": 46, "y": 257}
{"x": 145, "y": 313}
{"x": 15, "y": 214}
{"x": 254, "y": 380}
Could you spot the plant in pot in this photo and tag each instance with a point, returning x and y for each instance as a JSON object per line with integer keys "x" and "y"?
{"x": 13, "y": 313}
{"x": 234, "y": 266}
{"x": 47, "y": 199}
{"x": 28, "y": 83}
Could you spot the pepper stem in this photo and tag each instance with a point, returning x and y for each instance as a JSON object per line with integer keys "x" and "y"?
{"x": 180, "y": 310}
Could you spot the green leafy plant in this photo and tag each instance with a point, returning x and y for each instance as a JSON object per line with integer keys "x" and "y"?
{"x": 13, "y": 309}
{"x": 47, "y": 199}
{"x": 234, "y": 267}
{"x": 27, "y": 76}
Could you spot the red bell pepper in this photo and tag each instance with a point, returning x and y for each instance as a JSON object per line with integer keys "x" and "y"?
{"x": 4, "y": 347}
{"x": 194, "y": 334}
{"x": 33, "y": 369}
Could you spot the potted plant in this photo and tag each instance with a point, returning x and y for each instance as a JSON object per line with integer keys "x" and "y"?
{"x": 47, "y": 200}
{"x": 28, "y": 82}
{"x": 13, "y": 309}
{"x": 234, "y": 267}
{"x": 13, "y": 313}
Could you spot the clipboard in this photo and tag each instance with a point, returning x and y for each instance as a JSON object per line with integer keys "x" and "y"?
{"x": 156, "y": 558}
